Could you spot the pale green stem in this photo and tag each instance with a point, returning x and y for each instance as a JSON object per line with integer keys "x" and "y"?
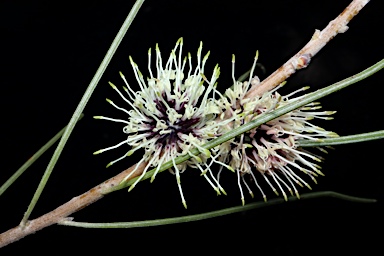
{"x": 343, "y": 139}
{"x": 310, "y": 97}
{"x": 208, "y": 215}
{"x": 31, "y": 160}
{"x": 81, "y": 106}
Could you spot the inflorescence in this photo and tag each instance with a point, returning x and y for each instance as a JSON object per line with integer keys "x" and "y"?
{"x": 179, "y": 110}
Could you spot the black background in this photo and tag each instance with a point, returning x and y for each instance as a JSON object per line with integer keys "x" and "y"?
{"x": 50, "y": 51}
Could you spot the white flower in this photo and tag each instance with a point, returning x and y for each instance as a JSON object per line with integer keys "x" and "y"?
{"x": 173, "y": 113}
{"x": 271, "y": 149}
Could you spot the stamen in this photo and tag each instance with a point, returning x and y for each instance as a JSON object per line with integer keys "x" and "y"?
{"x": 111, "y": 119}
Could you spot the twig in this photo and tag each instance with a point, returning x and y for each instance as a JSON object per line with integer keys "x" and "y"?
{"x": 73, "y": 205}
{"x": 303, "y": 57}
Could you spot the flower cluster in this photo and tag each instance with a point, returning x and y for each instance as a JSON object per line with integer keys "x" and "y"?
{"x": 272, "y": 149}
{"x": 176, "y": 111}
{"x": 173, "y": 113}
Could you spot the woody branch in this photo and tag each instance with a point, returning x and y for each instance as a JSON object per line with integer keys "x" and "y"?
{"x": 300, "y": 60}
{"x": 303, "y": 57}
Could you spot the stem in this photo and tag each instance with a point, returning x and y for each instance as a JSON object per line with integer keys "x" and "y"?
{"x": 303, "y": 57}
{"x": 80, "y": 108}
{"x": 73, "y": 205}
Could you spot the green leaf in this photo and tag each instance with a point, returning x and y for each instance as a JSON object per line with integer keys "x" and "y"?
{"x": 81, "y": 106}
{"x": 208, "y": 215}
{"x": 343, "y": 139}
{"x": 31, "y": 160}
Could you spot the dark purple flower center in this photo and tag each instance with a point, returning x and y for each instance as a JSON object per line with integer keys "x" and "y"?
{"x": 179, "y": 126}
